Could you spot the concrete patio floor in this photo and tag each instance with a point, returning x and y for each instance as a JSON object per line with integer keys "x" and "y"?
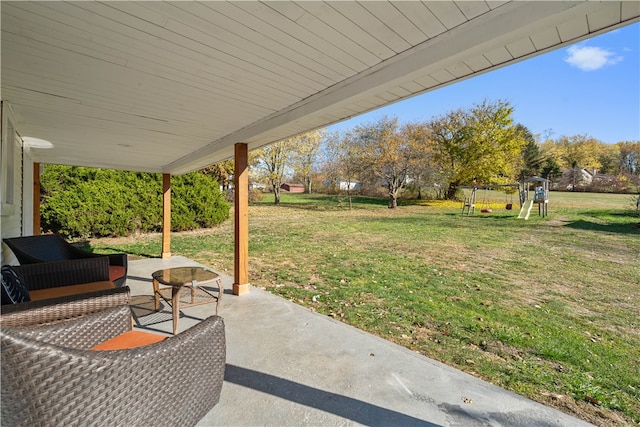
{"x": 289, "y": 366}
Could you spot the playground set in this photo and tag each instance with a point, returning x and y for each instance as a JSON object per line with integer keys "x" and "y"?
{"x": 526, "y": 197}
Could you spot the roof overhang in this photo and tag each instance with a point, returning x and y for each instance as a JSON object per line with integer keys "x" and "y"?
{"x": 172, "y": 86}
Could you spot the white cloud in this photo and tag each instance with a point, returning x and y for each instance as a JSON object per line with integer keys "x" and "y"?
{"x": 588, "y": 58}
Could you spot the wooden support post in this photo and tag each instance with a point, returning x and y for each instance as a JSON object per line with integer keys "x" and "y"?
{"x": 241, "y": 221}
{"x": 36, "y": 199}
{"x": 166, "y": 216}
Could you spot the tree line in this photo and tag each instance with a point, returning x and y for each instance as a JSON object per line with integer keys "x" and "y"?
{"x": 481, "y": 144}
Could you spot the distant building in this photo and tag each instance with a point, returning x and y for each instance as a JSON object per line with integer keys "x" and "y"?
{"x": 292, "y": 188}
{"x": 347, "y": 185}
{"x": 585, "y": 178}
{"x": 258, "y": 186}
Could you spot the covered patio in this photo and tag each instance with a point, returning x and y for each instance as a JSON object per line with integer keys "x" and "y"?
{"x": 288, "y": 366}
{"x": 172, "y": 87}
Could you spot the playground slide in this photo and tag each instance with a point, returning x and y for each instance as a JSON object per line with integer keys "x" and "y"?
{"x": 526, "y": 209}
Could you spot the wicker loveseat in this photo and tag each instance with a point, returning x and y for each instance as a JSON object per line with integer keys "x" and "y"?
{"x": 59, "y": 290}
{"x": 51, "y": 377}
{"x": 54, "y": 279}
{"x": 52, "y": 247}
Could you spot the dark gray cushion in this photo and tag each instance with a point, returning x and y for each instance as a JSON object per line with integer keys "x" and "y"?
{"x": 13, "y": 289}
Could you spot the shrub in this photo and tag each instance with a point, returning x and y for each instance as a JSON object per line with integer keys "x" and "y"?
{"x": 255, "y": 195}
{"x": 199, "y": 203}
{"x": 86, "y": 202}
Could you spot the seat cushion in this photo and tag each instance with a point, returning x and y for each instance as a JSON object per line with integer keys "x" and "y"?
{"x": 63, "y": 291}
{"x": 13, "y": 289}
{"x": 130, "y": 339}
{"x": 116, "y": 272}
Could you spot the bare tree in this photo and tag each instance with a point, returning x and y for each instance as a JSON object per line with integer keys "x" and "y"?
{"x": 304, "y": 156}
{"x": 390, "y": 152}
{"x": 343, "y": 165}
{"x": 270, "y": 163}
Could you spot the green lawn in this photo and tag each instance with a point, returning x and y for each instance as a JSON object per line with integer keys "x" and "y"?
{"x": 547, "y": 308}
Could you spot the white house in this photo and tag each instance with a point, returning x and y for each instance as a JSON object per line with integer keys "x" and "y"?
{"x": 348, "y": 185}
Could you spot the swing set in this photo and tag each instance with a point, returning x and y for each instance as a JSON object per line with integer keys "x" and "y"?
{"x": 469, "y": 205}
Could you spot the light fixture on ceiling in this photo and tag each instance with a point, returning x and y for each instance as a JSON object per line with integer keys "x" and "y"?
{"x": 36, "y": 143}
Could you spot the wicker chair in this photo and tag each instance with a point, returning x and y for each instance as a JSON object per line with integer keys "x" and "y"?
{"x": 52, "y": 247}
{"x": 50, "y": 377}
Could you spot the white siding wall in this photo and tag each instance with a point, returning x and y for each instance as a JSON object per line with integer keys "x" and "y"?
{"x": 16, "y": 184}
{"x": 27, "y": 192}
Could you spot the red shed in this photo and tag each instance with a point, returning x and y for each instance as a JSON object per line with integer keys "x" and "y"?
{"x": 292, "y": 188}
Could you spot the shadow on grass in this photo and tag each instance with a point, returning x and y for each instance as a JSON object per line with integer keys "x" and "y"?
{"x": 86, "y": 246}
{"x": 490, "y": 216}
{"x": 610, "y": 213}
{"x": 626, "y": 228}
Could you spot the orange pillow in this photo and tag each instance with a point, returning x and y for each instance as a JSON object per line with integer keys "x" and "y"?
{"x": 115, "y": 272}
{"x": 129, "y": 339}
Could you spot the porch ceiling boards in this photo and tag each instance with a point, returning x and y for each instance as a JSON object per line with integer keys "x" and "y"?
{"x": 172, "y": 86}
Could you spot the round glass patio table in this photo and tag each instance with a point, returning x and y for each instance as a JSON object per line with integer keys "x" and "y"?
{"x": 169, "y": 283}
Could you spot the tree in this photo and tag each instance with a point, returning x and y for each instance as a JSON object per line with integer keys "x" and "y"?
{"x": 422, "y": 170}
{"x": 425, "y": 172}
{"x": 551, "y": 168}
{"x": 221, "y": 172}
{"x": 271, "y": 163}
{"x": 533, "y": 159}
{"x": 579, "y": 151}
{"x": 480, "y": 144}
{"x": 629, "y": 157}
{"x": 629, "y": 162}
{"x": 574, "y": 153}
{"x": 304, "y": 156}
{"x": 342, "y": 165}
{"x": 608, "y": 156}
{"x": 388, "y": 152}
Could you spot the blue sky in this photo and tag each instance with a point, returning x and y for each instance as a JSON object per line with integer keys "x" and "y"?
{"x": 592, "y": 88}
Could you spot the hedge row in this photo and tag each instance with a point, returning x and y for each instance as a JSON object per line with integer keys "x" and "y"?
{"x": 87, "y": 202}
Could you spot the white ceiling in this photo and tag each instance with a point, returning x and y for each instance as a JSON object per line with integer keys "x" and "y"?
{"x": 172, "y": 86}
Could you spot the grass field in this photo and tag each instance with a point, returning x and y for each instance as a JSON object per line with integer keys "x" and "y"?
{"x": 548, "y": 308}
